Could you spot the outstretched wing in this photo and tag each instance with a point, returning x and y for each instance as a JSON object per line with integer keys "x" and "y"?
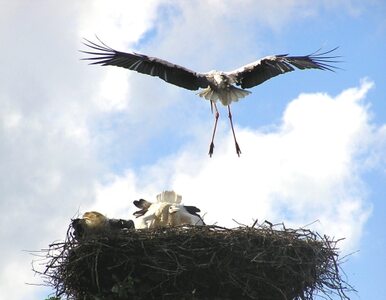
{"x": 259, "y": 71}
{"x": 171, "y": 73}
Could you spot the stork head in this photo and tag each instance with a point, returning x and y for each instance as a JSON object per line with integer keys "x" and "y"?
{"x": 174, "y": 208}
{"x": 94, "y": 218}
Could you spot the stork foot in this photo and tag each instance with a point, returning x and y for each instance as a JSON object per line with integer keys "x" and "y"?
{"x": 211, "y": 147}
{"x": 238, "y": 150}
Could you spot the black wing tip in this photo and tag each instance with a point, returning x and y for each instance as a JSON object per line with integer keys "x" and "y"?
{"x": 319, "y": 59}
{"x": 95, "y": 45}
{"x": 99, "y": 52}
{"x": 319, "y": 54}
{"x": 141, "y": 203}
{"x": 137, "y": 203}
{"x": 192, "y": 209}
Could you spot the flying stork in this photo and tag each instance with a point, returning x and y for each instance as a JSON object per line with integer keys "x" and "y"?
{"x": 215, "y": 85}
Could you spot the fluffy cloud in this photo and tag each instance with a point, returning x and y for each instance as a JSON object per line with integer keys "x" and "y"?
{"x": 49, "y": 165}
{"x": 308, "y": 169}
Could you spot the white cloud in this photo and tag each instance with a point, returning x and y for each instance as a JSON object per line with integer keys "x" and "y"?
{"x": 49, "y": 165}
{"x": 123, "y": 22}
{"x": 120, "y": 25}
{"x": 308, "y": 169}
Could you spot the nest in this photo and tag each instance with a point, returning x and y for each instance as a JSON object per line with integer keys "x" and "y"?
{"x": 207, "y": 262}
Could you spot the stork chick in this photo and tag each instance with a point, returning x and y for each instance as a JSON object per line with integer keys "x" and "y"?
{"x": 94, "y": 223}
{"x": 91, "y": 223}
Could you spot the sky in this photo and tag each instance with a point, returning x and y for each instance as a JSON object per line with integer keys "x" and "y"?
{"x": 75, "y": 137}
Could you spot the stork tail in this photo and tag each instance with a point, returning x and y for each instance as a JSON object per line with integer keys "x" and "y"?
{"x": 226, "y": 96}
{"x": 169, "y": 197}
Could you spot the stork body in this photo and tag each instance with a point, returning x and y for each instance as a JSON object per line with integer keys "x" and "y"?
{"x": 155, "y": 216}
{"x": 221, "y": 88}
{"x": 215, "y": 85}
{"x": 166, "y": 211}
{"x": 184, "y": 215}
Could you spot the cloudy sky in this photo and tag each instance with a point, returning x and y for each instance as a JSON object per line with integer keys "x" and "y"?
{"x": 75, "y": 137}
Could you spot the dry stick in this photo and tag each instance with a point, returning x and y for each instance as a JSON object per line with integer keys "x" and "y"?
{"x": 294, "y": 253}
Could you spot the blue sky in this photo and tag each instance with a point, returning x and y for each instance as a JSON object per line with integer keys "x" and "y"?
{"x": 75, "y": 137}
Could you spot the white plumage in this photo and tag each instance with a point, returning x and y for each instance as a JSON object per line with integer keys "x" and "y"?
{"x": 156, "y": 216}
{"x": 179, "y": 215}
{"x": 167, "y": 211}
{"x": 169, "y": 197}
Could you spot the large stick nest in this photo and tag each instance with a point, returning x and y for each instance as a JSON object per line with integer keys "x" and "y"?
{"x": 208, "y": 262}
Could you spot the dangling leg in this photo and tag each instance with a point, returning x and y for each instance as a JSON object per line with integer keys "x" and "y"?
{"x": 216, "y": 115}
{"x": 238, "y": 151}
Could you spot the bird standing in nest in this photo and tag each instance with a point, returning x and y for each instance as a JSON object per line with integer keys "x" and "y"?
{"x": 215, "y": 85}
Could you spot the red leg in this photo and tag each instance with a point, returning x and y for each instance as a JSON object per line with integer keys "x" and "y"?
{"x": 216, "y": 115}
{"x": 238, "y": 151}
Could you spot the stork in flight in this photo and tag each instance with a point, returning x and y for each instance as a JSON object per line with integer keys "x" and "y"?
{"x": 215, "y": 85}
